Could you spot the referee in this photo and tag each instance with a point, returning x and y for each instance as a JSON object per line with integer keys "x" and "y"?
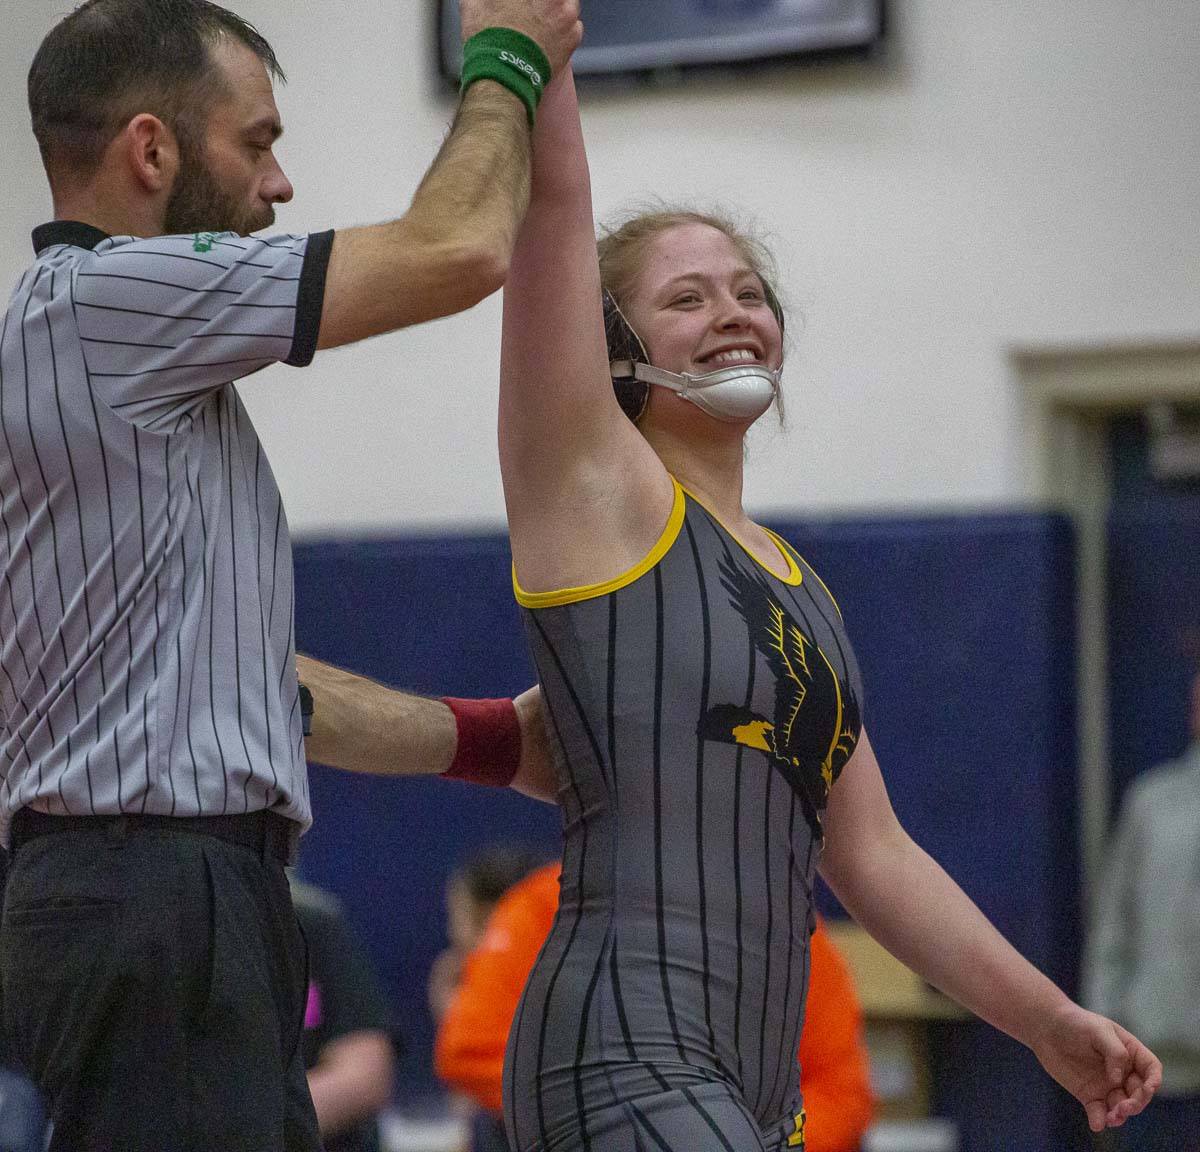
{"x": 152, "y": 773}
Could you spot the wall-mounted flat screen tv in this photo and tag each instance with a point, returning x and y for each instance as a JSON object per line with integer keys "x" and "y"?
{"x": 631, "y": 36}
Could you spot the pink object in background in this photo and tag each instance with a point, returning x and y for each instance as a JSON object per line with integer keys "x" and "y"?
{"x": 312, "y": 1010}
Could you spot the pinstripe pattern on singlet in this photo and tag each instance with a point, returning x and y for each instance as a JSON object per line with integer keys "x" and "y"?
{"x": 701, "y": 708}
{"x": 146, "y": 645}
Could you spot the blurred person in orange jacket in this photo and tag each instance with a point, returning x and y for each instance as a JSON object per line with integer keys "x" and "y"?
{"x": 471, "y": 894}
{"x": 834, "y": 1075}
{"x": 469, "y": 1051}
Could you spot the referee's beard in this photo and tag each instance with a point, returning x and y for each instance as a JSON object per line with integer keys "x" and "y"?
{"x": 198, "y": 203}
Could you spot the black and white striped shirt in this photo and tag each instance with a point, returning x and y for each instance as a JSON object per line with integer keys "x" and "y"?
{"x": 146, "y": 642}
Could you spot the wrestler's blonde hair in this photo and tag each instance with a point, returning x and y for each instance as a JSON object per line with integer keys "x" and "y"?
{"x": 622, "y": 246}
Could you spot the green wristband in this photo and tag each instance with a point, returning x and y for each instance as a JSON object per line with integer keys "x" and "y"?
{"x": 511, "y": 59}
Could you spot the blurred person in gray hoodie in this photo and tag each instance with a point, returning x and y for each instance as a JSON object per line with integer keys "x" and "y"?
{"x": 1143, "y": 957}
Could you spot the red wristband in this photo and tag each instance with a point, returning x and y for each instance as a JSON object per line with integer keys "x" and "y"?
{"x": 489, "y": 741}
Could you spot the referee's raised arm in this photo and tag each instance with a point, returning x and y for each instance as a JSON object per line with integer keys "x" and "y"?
{"x": 452, "y": 247}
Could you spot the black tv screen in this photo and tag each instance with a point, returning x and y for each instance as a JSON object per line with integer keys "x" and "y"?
{"x": 648, "y": 35}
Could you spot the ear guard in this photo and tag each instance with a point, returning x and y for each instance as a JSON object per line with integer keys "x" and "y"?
{"x": 625, "y": 347}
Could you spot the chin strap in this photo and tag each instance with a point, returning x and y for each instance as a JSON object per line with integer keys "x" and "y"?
{"x": 685, "y": 382}
{"x": 723, "y": 394}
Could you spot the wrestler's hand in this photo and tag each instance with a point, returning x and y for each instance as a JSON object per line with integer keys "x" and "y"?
{"x": 1110, "y": 1072}
{"x": 553, "y": 25}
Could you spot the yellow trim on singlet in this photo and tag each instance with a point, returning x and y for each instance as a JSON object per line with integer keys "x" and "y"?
{"x": 794, "y": 575}
{"x": 816, "y": 575}
{"x": 591, "y": 591}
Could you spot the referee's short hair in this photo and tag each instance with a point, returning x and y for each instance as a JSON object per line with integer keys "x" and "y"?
{"x": 111, "y": 60}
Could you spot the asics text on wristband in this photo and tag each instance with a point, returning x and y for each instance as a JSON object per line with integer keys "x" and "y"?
{"x": 511, "y": 59}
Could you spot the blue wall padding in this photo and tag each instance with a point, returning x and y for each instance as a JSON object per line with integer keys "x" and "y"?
{"x": 964, "y": 630}
{"x": 1154, "y": 629}
{"x": 435, "y": 616}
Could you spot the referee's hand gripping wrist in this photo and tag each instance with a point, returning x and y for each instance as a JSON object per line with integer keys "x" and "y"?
{"x": 552, "y": 25}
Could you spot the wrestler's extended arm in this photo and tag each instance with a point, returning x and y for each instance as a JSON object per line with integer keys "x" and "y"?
{"x": 452, "y": 247}
{"x": 586, "y": 495}
{"x": 911, "y": 906}
{"x": 360, "y": 725}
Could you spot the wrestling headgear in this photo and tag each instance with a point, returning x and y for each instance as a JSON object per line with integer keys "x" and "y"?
{"x": 738, "y": 393}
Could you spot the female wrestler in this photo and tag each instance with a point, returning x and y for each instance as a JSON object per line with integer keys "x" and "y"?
{"x": 706, "y": 707}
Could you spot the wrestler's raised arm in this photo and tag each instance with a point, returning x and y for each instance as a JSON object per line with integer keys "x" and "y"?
{"x": 586, "y": 495}
{"x": 452, "y": 247}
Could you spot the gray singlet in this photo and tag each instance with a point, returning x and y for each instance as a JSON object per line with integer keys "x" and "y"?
{"x": 702, "y": 707}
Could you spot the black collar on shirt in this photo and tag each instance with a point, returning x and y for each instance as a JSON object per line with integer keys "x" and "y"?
{"x": 66, "y": 232}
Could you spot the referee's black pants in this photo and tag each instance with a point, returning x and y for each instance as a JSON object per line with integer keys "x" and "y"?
{"x": 154, "y": 985}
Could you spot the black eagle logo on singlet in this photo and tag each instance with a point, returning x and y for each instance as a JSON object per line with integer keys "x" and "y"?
{"x": 816, "y": 723}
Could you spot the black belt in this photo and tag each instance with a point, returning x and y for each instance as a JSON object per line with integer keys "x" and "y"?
{"x": 267, "y": 834}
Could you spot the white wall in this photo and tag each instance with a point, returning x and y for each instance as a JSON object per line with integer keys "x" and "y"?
{"x": 1013, "y": 173}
